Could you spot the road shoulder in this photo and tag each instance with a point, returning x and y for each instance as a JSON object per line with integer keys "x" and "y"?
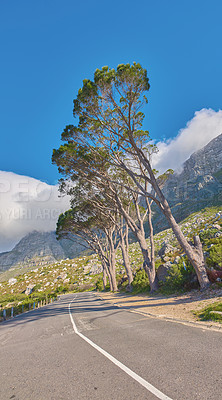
{"x": 171, "y": 308}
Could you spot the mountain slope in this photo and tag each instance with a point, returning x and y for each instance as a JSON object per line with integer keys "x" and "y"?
{"x": 199, "y": 185}
{"x": 39, "y": 248}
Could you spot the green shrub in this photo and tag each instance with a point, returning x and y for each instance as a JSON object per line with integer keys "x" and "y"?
{"x": 62, "y": 289}
{"x": 207, "y": 234}
{"x": 215, "y": 256}
{"x": 140, "y": 282}
{"x": 180, "y": 277}
{"x": 99, "y": 284}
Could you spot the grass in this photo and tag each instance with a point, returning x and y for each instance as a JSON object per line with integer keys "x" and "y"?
{"x": 209, "y": 314}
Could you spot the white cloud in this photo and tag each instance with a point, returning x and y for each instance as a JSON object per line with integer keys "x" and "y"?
{"x": 200, "y": 130}
{"x": 27, "y": 204}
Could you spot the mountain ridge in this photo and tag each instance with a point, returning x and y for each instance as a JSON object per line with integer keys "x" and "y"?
{"x": 39, "y": 248}
{"x": 199, "y": 185}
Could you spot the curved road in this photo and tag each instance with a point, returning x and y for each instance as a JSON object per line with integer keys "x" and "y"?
{"x": 81, "y": 347}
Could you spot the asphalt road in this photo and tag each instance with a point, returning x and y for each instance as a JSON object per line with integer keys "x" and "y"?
{"x": 44, "y": 355}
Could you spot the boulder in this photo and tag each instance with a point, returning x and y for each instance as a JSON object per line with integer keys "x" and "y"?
{"x": 166, "y": 248}
{"x": 29, "y": 290}
{"x": 163, "y": 271}
{"x": 12, "y": 281}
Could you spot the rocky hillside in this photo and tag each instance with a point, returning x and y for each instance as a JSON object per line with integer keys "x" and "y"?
{"x": 201, "y": 178}
{"x": 39, "y": 248}
{"x": 199, "y": 185}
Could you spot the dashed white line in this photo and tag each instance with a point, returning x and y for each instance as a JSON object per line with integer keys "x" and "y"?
{"x": 127, "y": 370}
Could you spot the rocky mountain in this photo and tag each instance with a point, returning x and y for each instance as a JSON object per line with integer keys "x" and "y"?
{"x": 39, "y": 248}
{"x": 201, "y": 178}
{"x": 199, "y": 185}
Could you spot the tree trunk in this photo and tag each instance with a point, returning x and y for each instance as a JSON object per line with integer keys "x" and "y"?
{"x": 195, "y": 255}
{"x": 114, "y": 287}
{"x": 113, "y": 270}
{"x": 139, "y": 233}
{"x": 147, "y": 265}
{"x": 152, "y": 246}
{"x": 104, "y": 278}
{"x": 126, "y": 260}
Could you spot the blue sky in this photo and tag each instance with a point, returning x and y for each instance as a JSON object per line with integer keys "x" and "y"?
{"x": 48, "y": 47}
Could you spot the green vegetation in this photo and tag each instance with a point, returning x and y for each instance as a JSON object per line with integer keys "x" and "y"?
{"x": 21, "y": 302}
{"x": 180, "y": 278}
{"x": 141, "y": 282}
{"x": 209, "y": 313}
{"x": 215, "y": 255}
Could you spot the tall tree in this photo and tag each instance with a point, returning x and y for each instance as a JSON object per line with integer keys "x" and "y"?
{"x": 109, "y": 112}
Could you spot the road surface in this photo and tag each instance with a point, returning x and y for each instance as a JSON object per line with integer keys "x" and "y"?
{"x": 83, "y": 348}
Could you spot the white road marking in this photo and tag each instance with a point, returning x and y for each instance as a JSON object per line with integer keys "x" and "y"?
{"x": 127, "y": 370}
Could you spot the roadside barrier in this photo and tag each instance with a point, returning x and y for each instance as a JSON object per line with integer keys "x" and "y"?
{"x": 12, "y": 312}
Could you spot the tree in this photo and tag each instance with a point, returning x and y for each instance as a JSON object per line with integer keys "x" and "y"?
{"x": 78, "y": 162}
{"x": 91, "y": 229}
{"x": 110, "y": 118}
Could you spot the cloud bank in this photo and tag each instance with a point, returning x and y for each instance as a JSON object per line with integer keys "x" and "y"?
{"x": 27, "y": 204}
{"x": 200, "y": 130}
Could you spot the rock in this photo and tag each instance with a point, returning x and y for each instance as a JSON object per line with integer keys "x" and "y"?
{"x": 12, "y": 281}
{"x": 29, "y": 290}
{"x": 163, "y": 271}
{"x": 177, "y": 259}
{"x": 216, "y": 226}
{"x": 86, "y": 268}
{"x": 166, "y": 248}
{"x": 218, "y": 234}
